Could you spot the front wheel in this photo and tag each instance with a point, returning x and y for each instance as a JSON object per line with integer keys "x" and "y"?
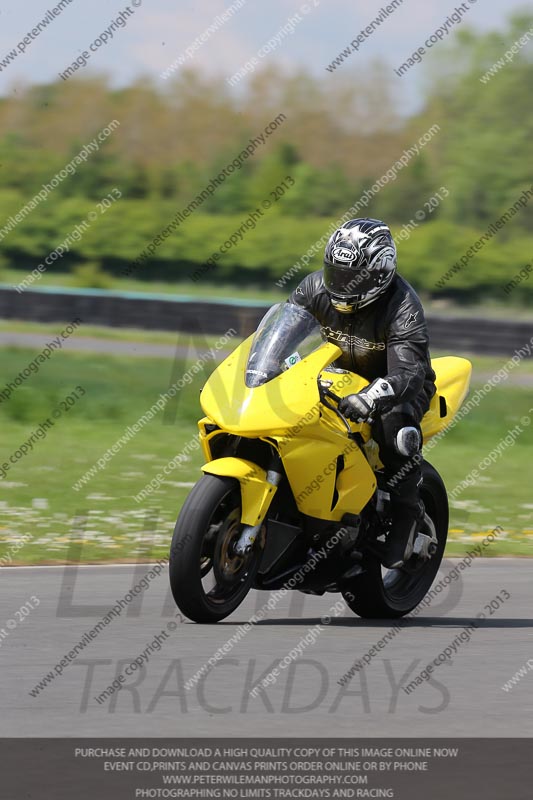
{"x": 379, "y": 594}
{"x": 208, "y": 579}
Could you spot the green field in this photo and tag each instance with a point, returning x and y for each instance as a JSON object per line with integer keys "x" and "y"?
{"x": 103, "y": 522}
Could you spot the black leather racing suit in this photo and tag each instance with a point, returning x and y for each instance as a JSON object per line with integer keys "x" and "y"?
{"x": 386, "y": 339}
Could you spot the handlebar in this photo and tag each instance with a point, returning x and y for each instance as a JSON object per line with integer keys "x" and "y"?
{"x": 324, "y": 389}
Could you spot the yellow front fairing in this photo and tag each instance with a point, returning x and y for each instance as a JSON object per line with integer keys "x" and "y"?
{"x": 274, "y": 408}
{"x": 329, "y": 475}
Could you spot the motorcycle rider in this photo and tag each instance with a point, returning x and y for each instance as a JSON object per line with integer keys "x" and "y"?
{"x": 376, "y": 318}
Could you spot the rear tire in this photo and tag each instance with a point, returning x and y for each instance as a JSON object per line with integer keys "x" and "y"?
{"x": 201, "y": 552}
{"x": 374, "y": 595}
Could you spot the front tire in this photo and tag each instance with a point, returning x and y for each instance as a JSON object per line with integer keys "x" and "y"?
{"x": 393, "y": 594}
{"x": 207, "y": 579}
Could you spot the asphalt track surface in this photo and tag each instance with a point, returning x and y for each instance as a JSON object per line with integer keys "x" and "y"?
{"x": 90, "y": 344}
{"x": 464, "y": 698}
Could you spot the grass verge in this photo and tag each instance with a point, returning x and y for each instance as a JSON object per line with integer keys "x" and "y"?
{"x": 102, "y": 521}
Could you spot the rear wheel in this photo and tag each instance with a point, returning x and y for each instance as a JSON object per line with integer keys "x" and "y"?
{"x": 378, "y": 593}
{"x": 208, "y": 579}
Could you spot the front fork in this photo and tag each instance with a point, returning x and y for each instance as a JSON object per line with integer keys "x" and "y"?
{"x": 251, "y": 532}
{"x": 258, "y": 487}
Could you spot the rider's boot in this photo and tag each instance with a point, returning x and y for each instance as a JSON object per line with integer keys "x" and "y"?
{"x": 407, "y": 514}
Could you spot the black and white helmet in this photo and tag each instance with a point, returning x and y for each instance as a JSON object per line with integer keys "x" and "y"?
{"x": 359, "y": 263}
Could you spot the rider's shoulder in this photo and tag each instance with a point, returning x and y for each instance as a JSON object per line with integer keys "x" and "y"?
{"x": 402, "y": 294}
{"x": 315, "y": 280}
{"x": 311, "y": 285}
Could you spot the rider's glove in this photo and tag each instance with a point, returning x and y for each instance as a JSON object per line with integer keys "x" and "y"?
{"x": 360, "y": 407}
{"x": 357, "y": 407}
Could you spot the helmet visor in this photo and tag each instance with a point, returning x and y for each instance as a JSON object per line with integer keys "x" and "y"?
{"x": 348, "y": 283}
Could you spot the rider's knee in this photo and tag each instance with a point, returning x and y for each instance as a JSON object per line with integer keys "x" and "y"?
{"x": 408, "y": 441}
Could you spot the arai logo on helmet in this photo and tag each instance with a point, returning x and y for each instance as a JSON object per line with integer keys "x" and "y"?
{"x": 345, "y": 254}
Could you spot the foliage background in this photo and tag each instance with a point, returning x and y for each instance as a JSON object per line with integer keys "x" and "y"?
{"x": 340, "y": 135}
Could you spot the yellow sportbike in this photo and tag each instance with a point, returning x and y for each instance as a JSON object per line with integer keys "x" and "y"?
{"x": 293, "y": 494}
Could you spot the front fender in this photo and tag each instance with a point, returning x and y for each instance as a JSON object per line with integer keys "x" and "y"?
{"x": 256, "y": 492}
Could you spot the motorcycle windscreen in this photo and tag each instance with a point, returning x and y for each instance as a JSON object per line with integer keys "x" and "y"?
{"x": 286, "y": 335}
